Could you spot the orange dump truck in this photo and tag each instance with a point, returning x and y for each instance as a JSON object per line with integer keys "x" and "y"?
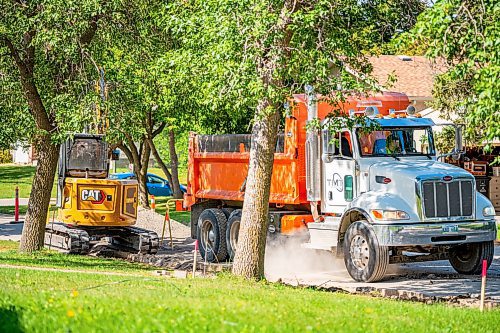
{"x": 344, "y": 196}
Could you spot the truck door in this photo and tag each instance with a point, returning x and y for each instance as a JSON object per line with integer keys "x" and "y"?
{"x": 339, "y": 172}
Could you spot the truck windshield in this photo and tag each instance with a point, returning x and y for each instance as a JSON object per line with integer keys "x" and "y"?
{"x": 400, "y": 141}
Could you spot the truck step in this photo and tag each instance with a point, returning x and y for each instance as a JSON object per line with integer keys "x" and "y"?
{"x": 324, "y": 235}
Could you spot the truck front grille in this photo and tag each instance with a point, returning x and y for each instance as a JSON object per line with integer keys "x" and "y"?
{"x": 442, "y": 199}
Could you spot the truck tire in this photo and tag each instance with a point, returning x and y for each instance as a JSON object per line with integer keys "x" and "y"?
{"x": 227, "y": 212}
{"x": 211, "y": 235}
{"x": 232, "y": 231}
{"x": 468, "y": 258}
{"x": 364, "y": 258}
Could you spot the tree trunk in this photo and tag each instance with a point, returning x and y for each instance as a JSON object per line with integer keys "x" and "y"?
{"x": 159, "y": 160}
{"x": 142, "y": 174}
{"x": 174, "y": 165}
{"x": 34, "y": 226}
{"x": 249, "y": 259}
{"x": 172, "y": 177}
{"x": 140, "y": 161}
{"x": 143, "y": 189}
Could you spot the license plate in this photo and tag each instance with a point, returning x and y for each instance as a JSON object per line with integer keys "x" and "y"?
{"x": 450, "y": 228}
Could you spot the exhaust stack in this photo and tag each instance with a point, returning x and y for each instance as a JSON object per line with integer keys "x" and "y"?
{"x": 313, "y": 162}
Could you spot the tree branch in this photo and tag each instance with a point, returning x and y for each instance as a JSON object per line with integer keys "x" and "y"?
{"x": 91, "y": 30}
{"x": 133, "y": 150}
{"x": 127, "y": 151}
{"x": 158, "y": 130}
{"x": 36, "y": 107}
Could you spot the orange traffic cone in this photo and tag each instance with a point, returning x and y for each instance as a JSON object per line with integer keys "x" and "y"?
{"x": 153, "y": 203}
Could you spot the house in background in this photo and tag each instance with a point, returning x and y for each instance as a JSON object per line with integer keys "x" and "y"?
{"x": 23, "y": 154}
{"x": 414, "y": 76}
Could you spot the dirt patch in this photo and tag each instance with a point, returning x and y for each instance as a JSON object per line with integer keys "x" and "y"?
{"x": 177, "y": 254}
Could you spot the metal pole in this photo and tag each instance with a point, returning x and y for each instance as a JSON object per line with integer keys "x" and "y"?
{"x": 16, "y": 206}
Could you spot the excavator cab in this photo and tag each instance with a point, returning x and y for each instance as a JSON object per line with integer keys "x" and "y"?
{"x": 83, "y": 156}
{"x": 93, "y": 207}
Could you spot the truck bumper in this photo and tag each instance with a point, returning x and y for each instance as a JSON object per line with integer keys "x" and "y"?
{"x": 435, "y": 233}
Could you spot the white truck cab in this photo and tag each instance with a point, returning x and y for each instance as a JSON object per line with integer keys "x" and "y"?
{"x": 385, "y": 198}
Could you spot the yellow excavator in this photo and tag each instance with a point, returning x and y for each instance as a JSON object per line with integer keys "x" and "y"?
{"x": 92, "y": 208}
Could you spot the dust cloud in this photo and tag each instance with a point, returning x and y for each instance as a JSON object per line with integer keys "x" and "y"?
{"x": 286, "y": 259}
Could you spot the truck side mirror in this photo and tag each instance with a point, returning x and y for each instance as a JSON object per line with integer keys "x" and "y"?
{"x": 329, "y": 149}
{"x": 457, "y": 153}
{"x": 115, "y": 155}
{"x": 456, "y": 156}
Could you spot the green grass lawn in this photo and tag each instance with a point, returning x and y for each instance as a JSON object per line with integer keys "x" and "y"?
{"x": 161, "y": 208}
{"x": 16, "y": 175}
{"x": 49, "y": 301}
{"x": 10, "y": 210}
{"x": 22, "y": 209}
{"x": 9, "y": 255}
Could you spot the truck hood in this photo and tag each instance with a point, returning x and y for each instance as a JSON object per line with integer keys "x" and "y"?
{"x": 401, "y": 192}
{"x": 404, "y": 175}
{"x": 411, "y": 169}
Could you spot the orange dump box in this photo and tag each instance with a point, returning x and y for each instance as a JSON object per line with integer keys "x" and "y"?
{"x": 218, "y": 164}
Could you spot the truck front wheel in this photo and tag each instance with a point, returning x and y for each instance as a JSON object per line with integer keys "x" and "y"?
{"x": 365, "y": 259}
{"x": 468, "y": 258}
{"x": 211, "y": 235}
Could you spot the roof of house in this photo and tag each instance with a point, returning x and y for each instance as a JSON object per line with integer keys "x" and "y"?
{"x": 414, "y": 74}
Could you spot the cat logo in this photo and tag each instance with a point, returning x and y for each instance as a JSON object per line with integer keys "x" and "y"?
{"x": 94, "y": 196}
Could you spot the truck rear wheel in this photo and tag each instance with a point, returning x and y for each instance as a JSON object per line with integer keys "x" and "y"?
{"x": 232, "y": 232}
{"x": 365, "y": 259}
{"x": 468, "y": 258}
{"x": 211, "y": 235}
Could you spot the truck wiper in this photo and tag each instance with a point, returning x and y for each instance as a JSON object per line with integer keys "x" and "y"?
{"x": 395, "y": 157}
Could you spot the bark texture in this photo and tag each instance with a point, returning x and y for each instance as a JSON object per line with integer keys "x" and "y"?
{"x": 249, "y": 259}
{"x": 174, "y": 165}
{"x": 159, "y": 160}
{"x": 172, "y": 177}
{"x": 34, "y": 225}
{"x": 139, "y": 157}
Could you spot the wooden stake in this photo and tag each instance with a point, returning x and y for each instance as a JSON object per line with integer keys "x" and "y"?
{"x": 483, "y": 285}
{"x": 170, "y": 232}
{"x": 195, "y": 256}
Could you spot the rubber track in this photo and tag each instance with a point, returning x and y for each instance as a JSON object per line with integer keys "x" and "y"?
{"x": 149, "y": 242}
{"x": 64, "y": 239}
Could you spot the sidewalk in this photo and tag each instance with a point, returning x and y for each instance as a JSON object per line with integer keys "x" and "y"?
{"x": 10, "y": 231}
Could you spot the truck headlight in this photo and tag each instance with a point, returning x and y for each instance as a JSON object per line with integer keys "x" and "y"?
{"x": 381, "y": 214}
{"x": 489, "y": 211}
